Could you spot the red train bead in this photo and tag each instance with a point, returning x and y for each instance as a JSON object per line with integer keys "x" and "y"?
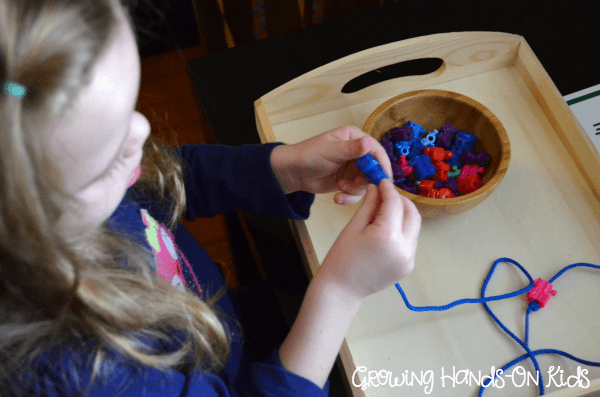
{"x": 469, "y": 184}
{"x": 404, "y": 164}
{"x": 441, "y": 170}
{"x": 437, "y": 153}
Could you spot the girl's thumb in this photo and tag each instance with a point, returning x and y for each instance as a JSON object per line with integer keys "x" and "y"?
{"x": 365, "y": 214}
{"x": 350, "y": 150}
{"x": 358, "y": 147}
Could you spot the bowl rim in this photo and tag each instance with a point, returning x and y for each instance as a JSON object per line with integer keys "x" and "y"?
{"x": 490, "y": 185}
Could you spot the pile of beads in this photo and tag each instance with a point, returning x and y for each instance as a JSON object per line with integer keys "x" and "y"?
{"x": 437, "y": 164}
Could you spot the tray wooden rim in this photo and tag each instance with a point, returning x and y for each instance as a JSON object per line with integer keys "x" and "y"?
{"x": 537, "y": 80}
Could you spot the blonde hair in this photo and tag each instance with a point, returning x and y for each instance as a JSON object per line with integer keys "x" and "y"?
{"x": 51, "y": 292}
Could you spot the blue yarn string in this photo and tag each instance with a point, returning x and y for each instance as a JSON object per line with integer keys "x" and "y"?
{"x": 536, "y": 353}
{"x": 482, "y": 300}
{"x": 570, "y": 267}
{"x": 532, "y": 307}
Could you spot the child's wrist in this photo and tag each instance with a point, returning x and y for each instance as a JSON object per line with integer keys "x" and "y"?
{"x": 282, "y": 161}
{"x": 351, "y": 299}
{"x": 311, "y": 347}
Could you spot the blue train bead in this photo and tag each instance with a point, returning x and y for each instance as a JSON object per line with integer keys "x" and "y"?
{"x": 423, "y": 169}
{"x": 401, "y": 148}
{"x": 417, "y": 129}
{"x": 429, "y": 139}
{"x": 371, "y": 168}
{"x": 464, "y": 142}
{"x": 455, "y": 160}
{"x": 416, "y": 149}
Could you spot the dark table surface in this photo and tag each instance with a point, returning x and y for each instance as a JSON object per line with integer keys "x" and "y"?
{"x": 565, "y": 39}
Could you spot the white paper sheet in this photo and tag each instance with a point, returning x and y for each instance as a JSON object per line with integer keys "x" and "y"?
{"x": 586, "y": 106}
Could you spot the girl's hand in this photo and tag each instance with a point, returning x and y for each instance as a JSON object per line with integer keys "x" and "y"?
{"x": 377, "y": 248}
{"x": 325, "y": 164}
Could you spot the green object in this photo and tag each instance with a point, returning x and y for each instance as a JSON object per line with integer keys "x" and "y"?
{"x": 583, "y": 98}
{"x": 454, "y": 173}
{"x": 15, "y": 90}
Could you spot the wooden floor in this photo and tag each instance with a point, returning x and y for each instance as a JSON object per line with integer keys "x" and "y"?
{"x": 168, "y": 100}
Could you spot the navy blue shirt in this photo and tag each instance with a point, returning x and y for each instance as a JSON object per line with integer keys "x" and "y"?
{"x": 220, "y": 179}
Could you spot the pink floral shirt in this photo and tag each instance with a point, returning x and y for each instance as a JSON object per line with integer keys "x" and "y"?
{"x": 168, "y": 256}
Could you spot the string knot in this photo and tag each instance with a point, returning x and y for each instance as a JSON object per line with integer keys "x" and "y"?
{"x": 534, "y": 306}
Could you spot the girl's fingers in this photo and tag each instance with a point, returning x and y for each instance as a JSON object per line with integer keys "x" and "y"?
{"x": 367, "y": 211}
{"x": 360, "y": 182}
{"x": 379, "y": 153}
{"x": 401, "y": 209}
{"x": 356, "y": 187}
{"x": 347, "y": 199}
{"x": 351, "y": 193}
{"x": 412, "y": 219}
{"x": 391, "y": 211}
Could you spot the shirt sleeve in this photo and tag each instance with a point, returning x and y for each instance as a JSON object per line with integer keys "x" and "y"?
{"x": 126, "y": 378}
{"x": 272, "y": 379}
{"x": 257, "y": 379}
{"x": 223, "y": 179}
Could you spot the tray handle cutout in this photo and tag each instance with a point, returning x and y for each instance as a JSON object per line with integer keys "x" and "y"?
{"x": 413, "y": 67}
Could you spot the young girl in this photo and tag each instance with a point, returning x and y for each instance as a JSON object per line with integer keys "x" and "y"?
{"x": 98, "y": 296}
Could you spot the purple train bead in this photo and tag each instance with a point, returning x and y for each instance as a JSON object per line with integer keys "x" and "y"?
{"x": 397, "y": 173}
{"x": 389, "y": 148}
{"x": 402, "y": 134}
{"x": 451, "y": 184}
{"x": 482, "y": 158}
{"x": 408, "y": 185}
{"x": 446, "y": 136}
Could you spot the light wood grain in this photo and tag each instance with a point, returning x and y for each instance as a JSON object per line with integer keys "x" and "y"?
{"x": 263, "y": 125}
{"x": 319, "y": 91}
{"x": 568, "y": 128}
{"x": 545, "y": 214}
{"x": 308, "y": 255}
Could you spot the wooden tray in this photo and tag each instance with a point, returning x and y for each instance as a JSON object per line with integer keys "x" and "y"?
{"x": 545, "y": 215}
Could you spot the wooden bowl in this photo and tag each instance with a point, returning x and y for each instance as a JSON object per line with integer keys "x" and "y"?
{"x": 432, "y": 109}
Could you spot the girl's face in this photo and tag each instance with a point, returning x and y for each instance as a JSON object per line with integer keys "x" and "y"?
{"x": 98, "y": 145}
